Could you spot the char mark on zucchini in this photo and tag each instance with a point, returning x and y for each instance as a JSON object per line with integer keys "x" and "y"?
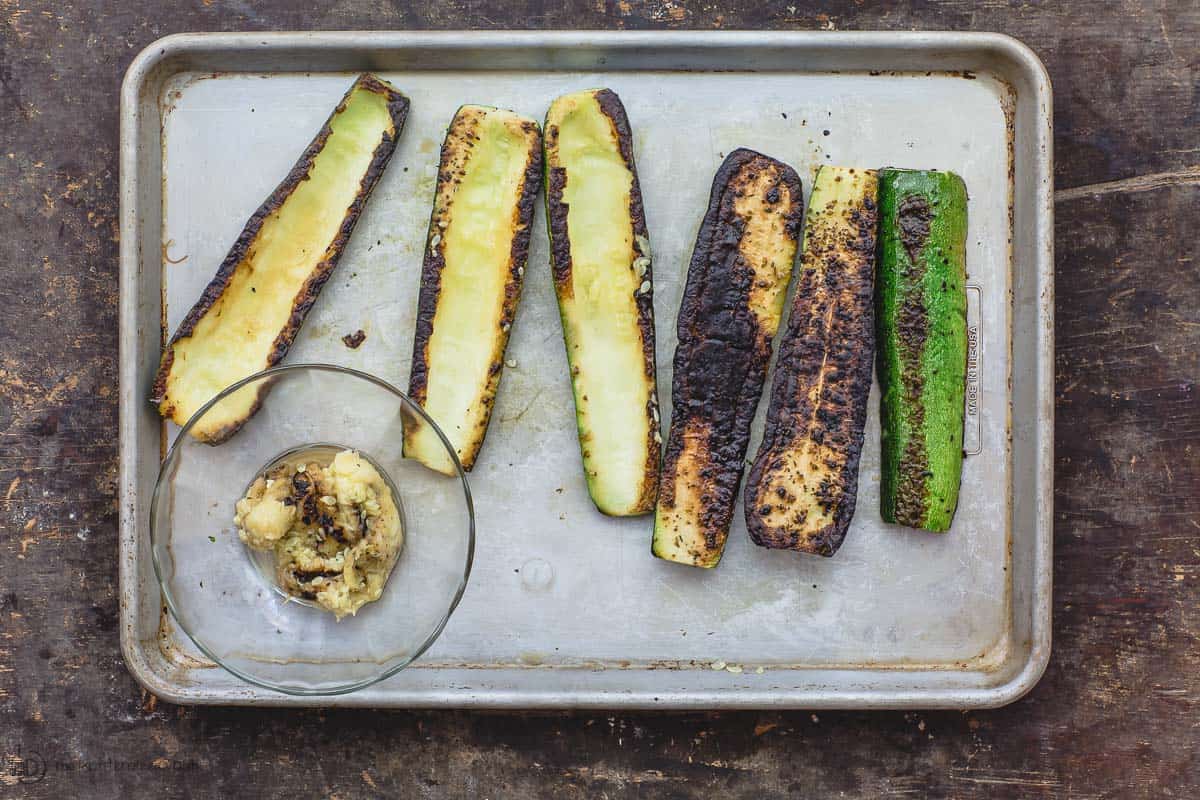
{"x": 802, "y": 487}
{"x": 731, "y": 307}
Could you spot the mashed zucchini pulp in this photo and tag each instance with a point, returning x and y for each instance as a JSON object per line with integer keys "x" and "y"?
{"x": 334, "y": 528}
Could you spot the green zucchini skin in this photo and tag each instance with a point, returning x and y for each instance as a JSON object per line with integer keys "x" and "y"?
{"x": 921, "y": 340}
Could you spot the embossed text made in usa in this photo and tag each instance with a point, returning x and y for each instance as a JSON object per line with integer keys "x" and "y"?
{"x": 972, "y": 439}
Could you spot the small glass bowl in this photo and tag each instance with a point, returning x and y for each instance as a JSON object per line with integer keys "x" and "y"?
{"x": 218, "y": 590}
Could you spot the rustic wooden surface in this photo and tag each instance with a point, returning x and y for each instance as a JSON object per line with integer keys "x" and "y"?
{"x": 1118, "y": 713}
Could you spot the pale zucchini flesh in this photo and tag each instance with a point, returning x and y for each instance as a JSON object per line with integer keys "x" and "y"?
{"x": 736, "y": 285}
{"x": 471, "y": 279}
{"x": 802, "y": 487}
{"x": 603, "y": 280}
{"x": 249, "y": 314}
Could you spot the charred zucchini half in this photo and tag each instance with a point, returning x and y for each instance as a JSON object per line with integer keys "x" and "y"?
{"x": 736, "y": 285}
{"x": 803, "y": 484}
{"x": 922, "y": 341}
{"x": 475, "y": 254}
{"x": 602, "y": 276}
{"x": 251, "y": 311}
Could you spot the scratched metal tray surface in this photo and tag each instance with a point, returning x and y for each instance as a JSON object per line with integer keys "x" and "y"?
{"x": 566, "y": 607}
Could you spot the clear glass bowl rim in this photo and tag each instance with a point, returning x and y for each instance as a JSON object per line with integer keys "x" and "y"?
{"x": 181, "y": 439}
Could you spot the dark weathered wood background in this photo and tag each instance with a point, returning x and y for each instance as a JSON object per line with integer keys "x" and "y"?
{"x": 1118, "y": 713}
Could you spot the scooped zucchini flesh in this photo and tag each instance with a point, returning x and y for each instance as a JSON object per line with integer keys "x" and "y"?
{"x": 475, "y": 254}
{"x": 736, "y": 285}
{"x": 251, "y": 311}
{"x": 802, "y": 487}
{"x": 922, "y": 344}
{"x": 603, "y": 279}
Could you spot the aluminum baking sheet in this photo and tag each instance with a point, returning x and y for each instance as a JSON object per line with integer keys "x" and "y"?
{"x": 566, "y": 607}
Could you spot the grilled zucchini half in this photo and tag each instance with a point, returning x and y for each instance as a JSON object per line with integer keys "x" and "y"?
{"x": 736, "y": 286}
{"x": 602, "y": 276}
{"x": 251, "y": 311}
{"x": 922, "y": 339}
{"x": 802, "y": 486}
{"x": 475, "y": 254}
